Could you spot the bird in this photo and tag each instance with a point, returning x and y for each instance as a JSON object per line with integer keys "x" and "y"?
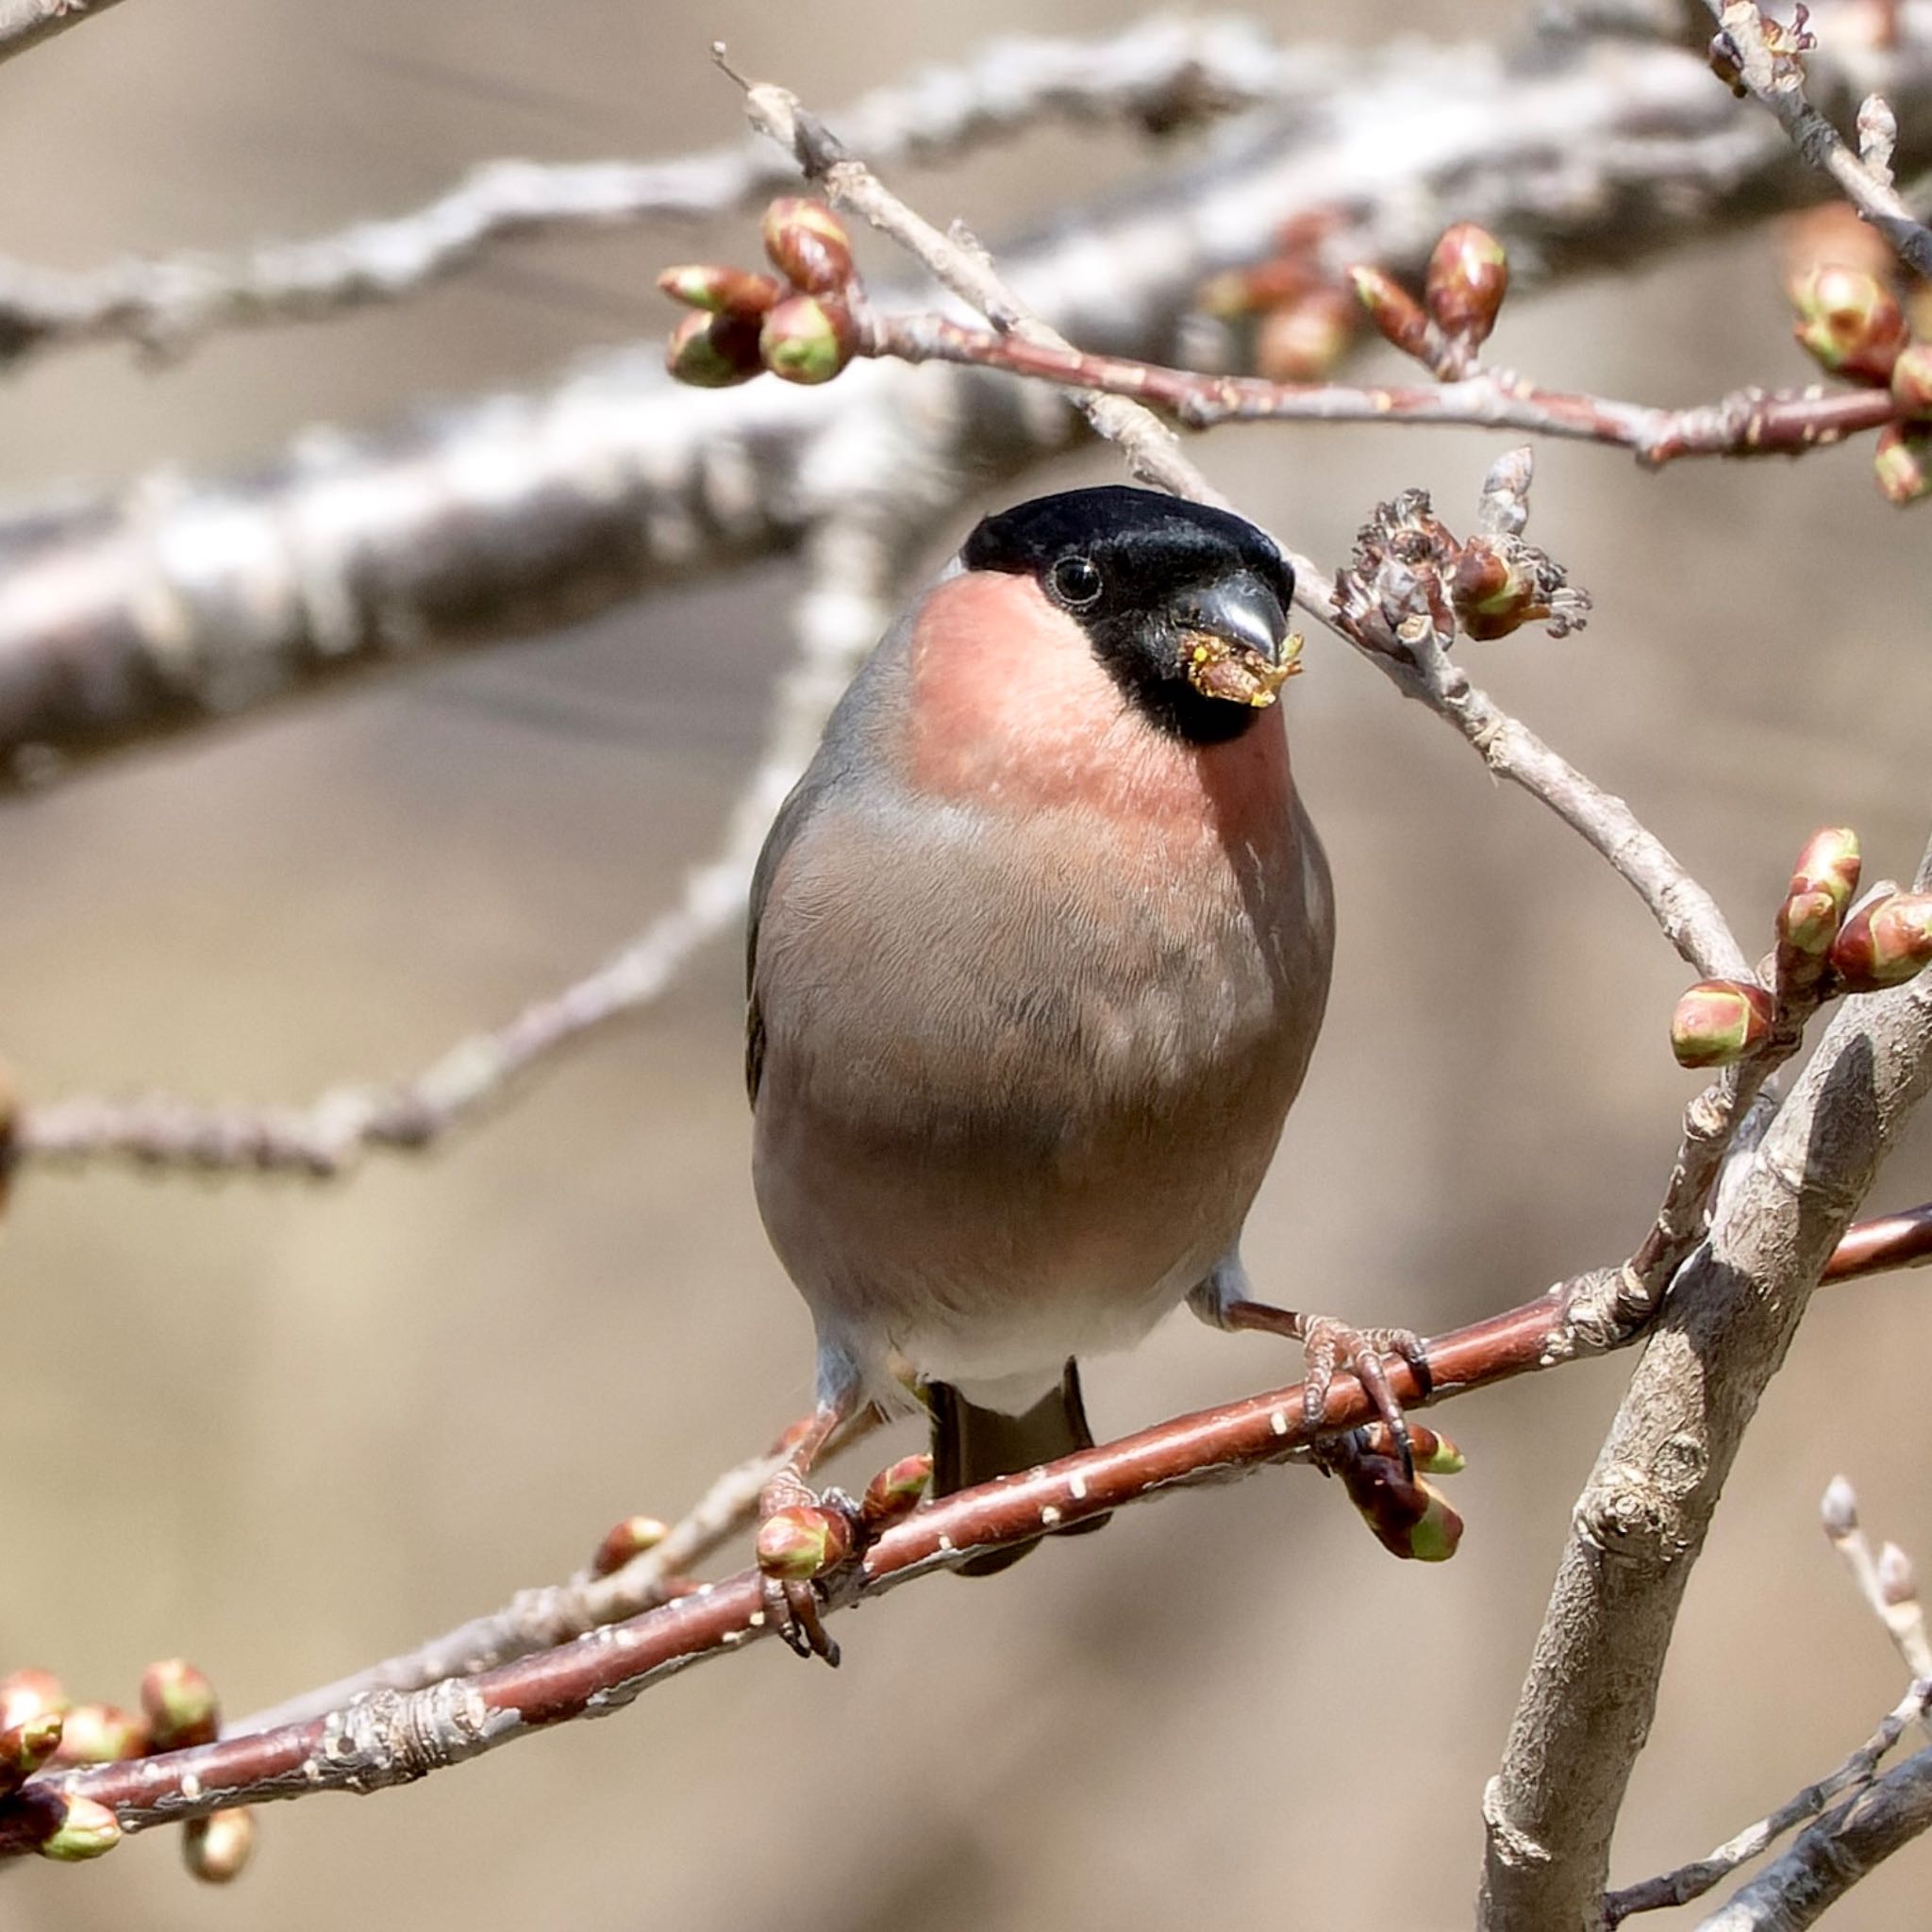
{"x": 1039, "y": 948}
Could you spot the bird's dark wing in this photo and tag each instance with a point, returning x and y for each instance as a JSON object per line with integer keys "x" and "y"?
{"x": 792, "y": 817}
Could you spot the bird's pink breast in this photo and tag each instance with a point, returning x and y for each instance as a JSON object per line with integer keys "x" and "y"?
{"x": 1010, "y": 710}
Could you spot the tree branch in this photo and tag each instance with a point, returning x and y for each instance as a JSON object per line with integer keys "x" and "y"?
{"x": 1843, "y": 1847}
{"x": 1161, "y": 75}
{"x": 24, "y": 24}
{"x": 1769, "y": 62}
{"x": 1587, "y": 1701}
{"x": 176, "y": 605}
{"x": 1691, "y": 1881}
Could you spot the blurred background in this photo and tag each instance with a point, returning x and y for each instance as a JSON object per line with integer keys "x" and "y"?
{"x": 286, "y": 1431}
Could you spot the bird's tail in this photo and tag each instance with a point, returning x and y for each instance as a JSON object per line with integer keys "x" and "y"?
{"x": 972, "y": 1445}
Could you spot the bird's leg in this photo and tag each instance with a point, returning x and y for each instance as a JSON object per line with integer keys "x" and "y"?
{"x": 1328, "y": 1344}
{"x": 803, "y": 1536}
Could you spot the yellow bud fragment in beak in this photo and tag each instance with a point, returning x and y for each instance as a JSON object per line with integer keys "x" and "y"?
{"x": 1239, "y": 673}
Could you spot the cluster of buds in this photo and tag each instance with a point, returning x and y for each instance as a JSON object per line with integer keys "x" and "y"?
{"x": 1468, "y": 275}
{"x": 808, "y": 1539}
{"x": 42, "y": 1728}
{"x": 1783, "y": 43}
{"x": 1825, "y": 946}
{"x": 802, "y": 328}
{"x": 1303, "y": 318}
{"x": 1853, "y": 320}
{"x": 1411, "y": 1518}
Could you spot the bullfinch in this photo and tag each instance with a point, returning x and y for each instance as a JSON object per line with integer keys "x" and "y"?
{"x": 1039, "y": 948}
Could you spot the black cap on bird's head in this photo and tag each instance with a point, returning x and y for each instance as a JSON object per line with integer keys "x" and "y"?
{"x": 1186, "y": 606}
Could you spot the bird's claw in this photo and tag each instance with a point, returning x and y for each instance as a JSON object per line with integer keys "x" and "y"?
{"x": 1329, "y": 1345}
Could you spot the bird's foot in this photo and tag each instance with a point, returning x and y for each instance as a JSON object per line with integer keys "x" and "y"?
{"x": 1328, "y": 1345}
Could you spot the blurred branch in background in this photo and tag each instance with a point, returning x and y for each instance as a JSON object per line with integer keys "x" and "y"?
{"x": 24, "y": 24}
{"x": 181, "y": 603}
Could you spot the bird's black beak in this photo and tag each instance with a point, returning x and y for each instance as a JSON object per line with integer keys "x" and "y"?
{"x": 1235, "y": 640}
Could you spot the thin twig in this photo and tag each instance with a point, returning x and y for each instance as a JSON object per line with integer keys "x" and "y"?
{"x": 1693, "y": 1880}
{"x": 1775, "y": 74}
{"x": 556, "y": 1613}
{"x": 1884, "y": 1580}
{"x": 1834, "y": 1854}
{"x": 1747, "y": 423}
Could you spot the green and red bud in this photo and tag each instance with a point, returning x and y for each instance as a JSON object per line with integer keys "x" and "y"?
{"x": 1720, "y": 1021}
{"x": 802, "y": 1541}
{"x": 626, "y": 1539}
{"x": 809, "y": 338}
{"x": 1493, "y": 590}
{"x": 25, "y": 1746}
{"x": 1849, "y": 321}
{"x": 1393, "y": 310}
{"x": 720, "y": 291}
{"x": 1468, "y": 277}
{"x": 1886, "y": 942}
{"x": 713, "y": 351}
{"x": 180, "y": 1703}
{"x": 1433, "y": 1453}
{"x": 1911, "y": 379}
{"x": 808, "y": 244}
{"x": 1410, "y": 1520}
{"x": 85, "y": 1831}
{"x": 102, "y": 1734}
{"x": 895, "y": 1491}
{"x": 1822, "y": 886}
{"x": 1902, "y": 461}
{"x": 216, "y": 1848}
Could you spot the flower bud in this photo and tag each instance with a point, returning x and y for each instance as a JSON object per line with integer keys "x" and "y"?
{"x": 1719, "y": 1021}
{"x": 1898, "y": 1583}
{"x": 1493, "y": 590}
{"x": 809, "y": 338}
{"x": 626, "y": 1539}
{"x": 1840, "y": 1508}
{"x": 86, "y": 1831}
{"x": 1302, "y": 340}
{"x": 216, "y": 1848}
{"x": 25, "y": 1746}
{"x": 803, "y": 1542}
{"x": 1411, "y": 1519}
{"x": 720, "y": 291}
{"x": 180, "y": 1705}
{"x": 1911, "y": 379}
{"x": 895, "y": 1491}
{"x": 1468, "y": 277}
{"x": 1902, "y": 461}
{"x": 26, "y": 1692}
{"x": 102, "y": 1734}
{"x": 713, "y": 351}
{"x": 1850, "y": 320}
{"x": 808, "y": 245}
{"x": 1393, "y": 310}
{"x": 1885, "y": 942}
{"x": 1822, "y": 886}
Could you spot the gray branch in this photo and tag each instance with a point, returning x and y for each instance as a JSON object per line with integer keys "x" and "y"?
{"x": 1844, "y": 1846}
{"x": 178, "y": 603}
{"x": 1161, "y": 75}
{"x": 1587, "y": 1703}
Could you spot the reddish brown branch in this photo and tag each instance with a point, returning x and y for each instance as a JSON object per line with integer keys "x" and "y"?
{"x": 395, "y": 1738}
{"x": 1891, "y": 1240}
{"x": 1748, "y": 422}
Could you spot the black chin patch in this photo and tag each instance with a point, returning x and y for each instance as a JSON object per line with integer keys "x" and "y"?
{"x": 1123, "y": 562}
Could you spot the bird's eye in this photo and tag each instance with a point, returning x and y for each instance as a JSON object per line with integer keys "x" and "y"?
{"x": 1076, "y": 582}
